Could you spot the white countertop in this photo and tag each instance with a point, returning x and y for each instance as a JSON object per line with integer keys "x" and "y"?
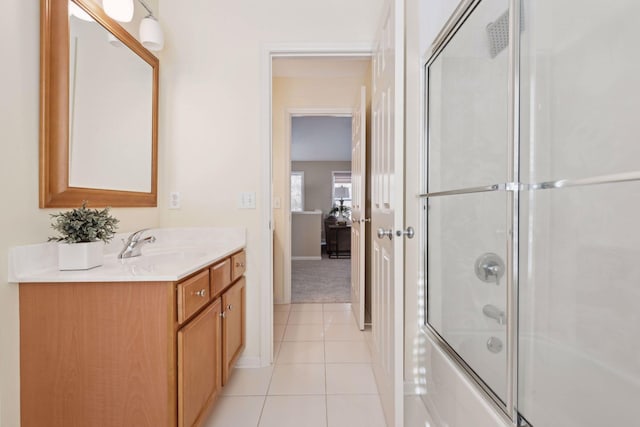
{"x": 177, "y": 253}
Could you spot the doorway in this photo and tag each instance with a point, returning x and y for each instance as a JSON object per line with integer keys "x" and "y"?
{"x": 305, "y": 90}
{"x": 320, "y": 226}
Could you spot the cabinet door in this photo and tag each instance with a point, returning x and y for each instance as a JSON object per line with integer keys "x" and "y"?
{"x": 233, "y": 326}
{"x": 199, "y": 360}
{"x": 238, "y": 265}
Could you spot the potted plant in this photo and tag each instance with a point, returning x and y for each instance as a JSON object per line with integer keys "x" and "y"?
{"x": 83, "y": 233}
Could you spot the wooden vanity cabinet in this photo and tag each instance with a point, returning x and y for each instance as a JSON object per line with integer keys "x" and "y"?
{"x": 199, "y": 364}
{"x": 233, "y": 327}
{"x": 144, "y": 354}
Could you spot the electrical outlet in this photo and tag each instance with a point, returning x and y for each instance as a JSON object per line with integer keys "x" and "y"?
{"x": 174, "y": 200}
{"x": 247, "y": 200}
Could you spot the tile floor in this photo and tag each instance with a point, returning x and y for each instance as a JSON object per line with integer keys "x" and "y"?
{"x": 322, "y": 375}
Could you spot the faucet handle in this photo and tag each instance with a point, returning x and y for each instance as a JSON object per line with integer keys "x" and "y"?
{"x": 136, "y": 234}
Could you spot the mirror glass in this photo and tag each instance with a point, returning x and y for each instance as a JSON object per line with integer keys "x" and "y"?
{"x": 110, "y": 111}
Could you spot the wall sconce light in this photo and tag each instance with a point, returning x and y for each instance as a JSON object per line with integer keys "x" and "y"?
{"x": 150, "y": 32}
{"x": 151, "y": 35}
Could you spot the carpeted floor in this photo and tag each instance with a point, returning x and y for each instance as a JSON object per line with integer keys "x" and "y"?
{"x": 327, "y": 280}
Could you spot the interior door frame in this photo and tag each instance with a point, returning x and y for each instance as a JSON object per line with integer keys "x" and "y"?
{"x": 289, "y": 115}
{"x": 269, "y": 52}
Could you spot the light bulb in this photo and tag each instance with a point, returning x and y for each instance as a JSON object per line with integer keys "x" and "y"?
{"x": 120, "y": 10}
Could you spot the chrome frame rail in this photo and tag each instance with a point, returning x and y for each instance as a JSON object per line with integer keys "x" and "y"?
{"x": 602, "y": 179}
{"x": 513, "y": 212}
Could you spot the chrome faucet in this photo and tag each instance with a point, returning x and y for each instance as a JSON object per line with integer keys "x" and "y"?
{"x": 133, "y": 244}
{"x": 494, "y": 313}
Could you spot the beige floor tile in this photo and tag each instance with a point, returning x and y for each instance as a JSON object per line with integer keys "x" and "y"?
{"x": 280, "y": 317}
{"x": 281, "y": 307}
{"x": 301, "y": 352}
{"x": 278, "y": 332}
{"x": 235, "y": 411}
{"x": 350, "y": 379}
{"x": 356, "y": 411}
{"x": 306, "y": 307}
{"x": 343, "y": 332}
{"x": 276, "y": 349}
{"x": 347, "y": 352}
{"x": 337, "y": 306}
{"x": 298, "y": 379}
{"x": 248, "y": 382}
{"x": 304, "y": 333}
{"x": 305, "y": 318}
{"x": 294, "y": 411}
{"x": 339, "y": 318}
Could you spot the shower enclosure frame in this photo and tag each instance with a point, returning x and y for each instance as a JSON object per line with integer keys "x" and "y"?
{"x": 511, "y": 187}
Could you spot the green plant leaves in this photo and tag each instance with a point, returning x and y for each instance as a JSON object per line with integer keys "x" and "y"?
{"x": 84, "y": 225}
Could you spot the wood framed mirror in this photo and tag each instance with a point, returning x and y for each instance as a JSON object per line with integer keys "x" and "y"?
{"x": 98, "y": 110}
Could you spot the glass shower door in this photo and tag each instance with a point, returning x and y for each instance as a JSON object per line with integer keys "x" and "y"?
{"x": 467, "y": 218}
{"x": 579, "y": 363}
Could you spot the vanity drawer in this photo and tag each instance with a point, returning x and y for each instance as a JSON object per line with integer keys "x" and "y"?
{"x": 238, "y": 265}
{"x": 220, "y": 276}
{"x": 193, "y": 294}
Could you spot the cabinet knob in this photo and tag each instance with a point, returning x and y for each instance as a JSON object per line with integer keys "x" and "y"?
{"x": 229, "y": 307}
{"x": 201, "y": 293}
{"x": 223, "y": 314}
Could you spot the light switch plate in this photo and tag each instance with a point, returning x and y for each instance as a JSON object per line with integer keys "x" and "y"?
{"x": 276, "y": 202}
{"x": 247, "y": 200}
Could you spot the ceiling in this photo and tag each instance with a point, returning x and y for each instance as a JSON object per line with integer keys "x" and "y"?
{"x": 321, "y": 138}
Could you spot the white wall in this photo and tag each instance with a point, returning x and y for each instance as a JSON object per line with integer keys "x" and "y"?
{"x": 317, "y": 183}
{"x": 211, "y": 108}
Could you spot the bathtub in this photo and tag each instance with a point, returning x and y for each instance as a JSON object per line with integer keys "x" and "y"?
{"x": 558, "y": 385}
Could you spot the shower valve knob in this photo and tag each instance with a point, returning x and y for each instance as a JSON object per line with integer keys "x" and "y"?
{"x": 490, "y": 268}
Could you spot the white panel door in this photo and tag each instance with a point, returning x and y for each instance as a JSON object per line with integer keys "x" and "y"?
{"x": 387, "y": 210}
{"x": 358, "y": 202}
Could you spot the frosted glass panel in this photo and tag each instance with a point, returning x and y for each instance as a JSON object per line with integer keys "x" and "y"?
{"x": 468, "y": 104}
{"x": 581, "y": 87}
{"x": 461, "y": 229}
{"x": 580, "y": 307}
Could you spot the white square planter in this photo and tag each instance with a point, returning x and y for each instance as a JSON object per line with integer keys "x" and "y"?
{"x": 80, "y": 256}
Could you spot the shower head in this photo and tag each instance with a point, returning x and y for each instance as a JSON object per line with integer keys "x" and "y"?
{"x": 498, "y": 32}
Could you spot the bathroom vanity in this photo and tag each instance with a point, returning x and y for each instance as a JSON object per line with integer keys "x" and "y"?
{"x": 148, "y": 341}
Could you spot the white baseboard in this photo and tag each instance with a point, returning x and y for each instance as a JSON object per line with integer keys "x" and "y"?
{"x": 249, "y": 362}
{"x": 306, "y": 258}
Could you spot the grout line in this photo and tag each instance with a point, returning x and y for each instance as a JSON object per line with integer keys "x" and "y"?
{"x": 324, "y": 349}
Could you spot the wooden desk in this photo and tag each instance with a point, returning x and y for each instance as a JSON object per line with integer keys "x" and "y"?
{"x": 338, "y": 240}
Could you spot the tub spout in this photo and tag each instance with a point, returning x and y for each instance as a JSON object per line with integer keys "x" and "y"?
{"x": 495, "y": 313}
